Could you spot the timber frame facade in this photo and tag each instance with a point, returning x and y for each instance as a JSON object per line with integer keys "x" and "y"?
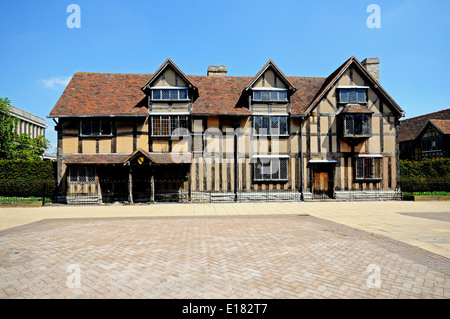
{"x": 169, "y": 136}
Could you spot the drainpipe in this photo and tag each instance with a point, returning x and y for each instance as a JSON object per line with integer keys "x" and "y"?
{"x": 236, "y": 125}
{"x": 301, "y": 160}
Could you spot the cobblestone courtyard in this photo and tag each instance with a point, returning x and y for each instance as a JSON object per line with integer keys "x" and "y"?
{"x": 260, "y": 256}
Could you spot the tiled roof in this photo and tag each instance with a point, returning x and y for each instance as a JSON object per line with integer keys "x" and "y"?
{"x": 156, "y": 158}
{"x": 442, "y": 125}
{"x": 100, "y": 94}
{"x": 90, "y": 94}
{"x": 94, "y": 158}
{"x": 356, "y": 108}
{"x": 162, "y": 158}
{"x": 410, "y": 128}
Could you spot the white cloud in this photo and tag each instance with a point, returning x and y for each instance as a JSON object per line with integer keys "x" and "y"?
{"x": 56, "y": 81}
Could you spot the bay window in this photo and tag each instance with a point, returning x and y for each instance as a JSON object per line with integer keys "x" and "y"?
{"x": 357, "y": 125}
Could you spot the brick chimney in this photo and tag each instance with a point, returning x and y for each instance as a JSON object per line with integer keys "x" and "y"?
{"x": 372, "y": 65}
{"x": 217, "y": 70}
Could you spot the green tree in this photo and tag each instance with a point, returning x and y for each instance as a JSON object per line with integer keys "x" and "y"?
{"x": 7, "y": 129}
{"x": 17, "y": 146}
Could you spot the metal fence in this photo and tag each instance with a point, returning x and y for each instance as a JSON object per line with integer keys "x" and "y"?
{"x": 111, "y": 192}
{"x": 178, "y": 191}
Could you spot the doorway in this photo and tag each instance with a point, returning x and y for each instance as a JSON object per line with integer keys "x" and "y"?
{"x": 323, "y": 184}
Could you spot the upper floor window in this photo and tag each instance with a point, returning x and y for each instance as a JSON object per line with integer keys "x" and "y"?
{"x": 270, "y": 125}
{"x": 432, "y": 144}
{"x": 165, "y": 125}
{"x": 357, "y": 125}
{"x": 352, "y": 95}
{"x": 96, "y": 127}
{"x": 269, "y": 95}
{"x": 173, "y": 94}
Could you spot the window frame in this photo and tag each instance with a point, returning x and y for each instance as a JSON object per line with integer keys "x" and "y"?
{"x": 267, "y": 119}
{"x": 171, "y": 119}
{"x": 169, "y": 88}
{"x": 269, "y": 177}
{"x": 430, "y": 139}
{"x": 363, "y": 173}
{"x": 99, "y": 120}
{"x": 270, "y": 91}
{"x": 352, "y": 88}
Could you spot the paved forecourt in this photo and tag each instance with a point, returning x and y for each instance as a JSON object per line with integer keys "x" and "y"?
{"x": 237, "y": 253}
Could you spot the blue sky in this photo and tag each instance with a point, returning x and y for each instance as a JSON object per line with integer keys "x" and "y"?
{"x": 39, "y": 53}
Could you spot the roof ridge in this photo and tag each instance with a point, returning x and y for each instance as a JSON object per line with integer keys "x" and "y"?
{"x": 426, "y": 115}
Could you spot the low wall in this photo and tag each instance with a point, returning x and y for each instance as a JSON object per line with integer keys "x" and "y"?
{"x": 20, "y": 204}
{"x": 431, "y": 198}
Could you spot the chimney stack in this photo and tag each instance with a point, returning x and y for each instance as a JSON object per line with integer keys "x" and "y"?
{"x": 372, "y": 65}
{"x": 217, "y": 70}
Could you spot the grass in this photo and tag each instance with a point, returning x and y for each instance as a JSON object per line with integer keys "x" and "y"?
{"x": 431, "y": 194}
{"x": 410, "y": 196}
{"x": 24, "y": 199}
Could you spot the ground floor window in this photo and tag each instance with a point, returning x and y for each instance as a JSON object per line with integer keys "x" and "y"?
{"x": 96, "y": 127}
{"x": 82, "y": 174}
{"x": 368, "y": 168}
{"x": 271, "y": 169}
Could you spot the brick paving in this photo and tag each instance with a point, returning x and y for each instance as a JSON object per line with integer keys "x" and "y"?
{"x": 260, "y": 256}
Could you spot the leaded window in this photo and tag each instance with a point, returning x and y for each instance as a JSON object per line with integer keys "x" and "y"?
{"x": 368, "y": 168}
{"x": 168, "y": 125}
{"x": 350, "y": 95}
{"x": 357, "y": 124}
{"x": 269, "y": 95}
{"x": 270, "y": 125}
{"x": 169, "y": 94}
{"x": 96, "y": 127}
{"x": 82, "y": 174}
{"x": 270, "y": 169}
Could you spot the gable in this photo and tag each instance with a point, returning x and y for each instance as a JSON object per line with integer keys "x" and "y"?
{"x": 352, "y": 73}
{"x": 174, "y": 75}
{"x": 270, "y": 76}
{"x": 169, "y": 77}
{"x": 269, "y": 79}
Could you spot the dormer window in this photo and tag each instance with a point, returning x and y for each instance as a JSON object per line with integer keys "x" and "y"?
{"x": 352, "y": 95}
{"x": 270, "y": 95}
{"x": 169, "y": 94}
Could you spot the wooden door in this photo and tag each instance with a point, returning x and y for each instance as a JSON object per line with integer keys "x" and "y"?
{"x": 323, "y": 183}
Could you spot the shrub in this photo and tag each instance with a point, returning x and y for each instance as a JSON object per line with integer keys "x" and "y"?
{"x": 27, "y": 178}
{"x": 425, "y": 176}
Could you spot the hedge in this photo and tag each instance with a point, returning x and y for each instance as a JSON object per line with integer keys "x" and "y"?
{"x": 24, "y": 178}
{"x": 425, "y": 176}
